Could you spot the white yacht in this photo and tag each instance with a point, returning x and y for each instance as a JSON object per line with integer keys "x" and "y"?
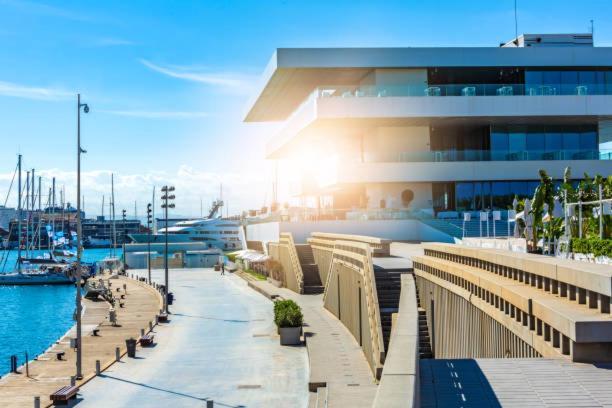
{"x": 219, "y": 233}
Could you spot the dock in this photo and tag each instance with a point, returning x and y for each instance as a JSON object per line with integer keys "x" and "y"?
{"x": 47, "y": 374}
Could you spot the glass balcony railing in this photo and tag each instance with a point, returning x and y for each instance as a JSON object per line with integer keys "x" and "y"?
{"x": 464, "y": 90}
{"x": 486, "y": 155}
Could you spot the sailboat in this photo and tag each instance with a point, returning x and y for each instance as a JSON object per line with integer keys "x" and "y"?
{"x": 34, "y": 271}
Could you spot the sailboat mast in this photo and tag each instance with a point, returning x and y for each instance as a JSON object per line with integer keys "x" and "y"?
{"x": 39, "y": 208}
{"x": 113, "y": 212}
{"x": 153, "y": 215}
{"x": 27, "y": 206}
{"x": 48, "y": 214}
{"x": 19, "y": 215}
{"x": 53, "y": 214}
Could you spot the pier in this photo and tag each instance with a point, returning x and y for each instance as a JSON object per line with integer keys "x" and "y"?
{"x": 47, "y": 374}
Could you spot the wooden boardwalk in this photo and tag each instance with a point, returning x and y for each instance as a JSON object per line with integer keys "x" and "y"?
{"x": 514, "y": 382}
{"x": 335, "y": 357}
{"x": 47, "y": 374}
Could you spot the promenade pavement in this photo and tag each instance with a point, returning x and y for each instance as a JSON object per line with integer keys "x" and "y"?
{"x": 220, "y": 344}
{"x": 334, "y": 355}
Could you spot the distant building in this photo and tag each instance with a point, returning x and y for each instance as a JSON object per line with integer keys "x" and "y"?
{"x": 6, "y": 215}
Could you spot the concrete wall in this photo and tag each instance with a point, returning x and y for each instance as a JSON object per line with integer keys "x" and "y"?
{"x": 529, "y": 305}
{"x": 399, "y": 383}
{"x": 395, "y": 230}
{"x": 461, "y": 330}
{"x": 412, "y": 172}
{"x": 392, "y": 194}
{"x": 400, "y": 77}
{"x": 284, "y": 252}
{"x": 264, "y": 232}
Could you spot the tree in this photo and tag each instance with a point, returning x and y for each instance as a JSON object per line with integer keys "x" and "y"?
{"x": 544, "y": 195}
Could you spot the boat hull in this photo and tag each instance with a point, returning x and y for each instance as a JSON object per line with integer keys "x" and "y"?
{"x": 38, "y": 279}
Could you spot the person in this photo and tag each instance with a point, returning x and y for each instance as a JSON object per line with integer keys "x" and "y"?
{"x": 222, "y": 268}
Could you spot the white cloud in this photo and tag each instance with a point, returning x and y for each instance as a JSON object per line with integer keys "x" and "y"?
{"x": 157, "y": 114}
{"x": 240, "y": 191}
{"x": 224, "y": 79}
{"x": 31, "y": 92}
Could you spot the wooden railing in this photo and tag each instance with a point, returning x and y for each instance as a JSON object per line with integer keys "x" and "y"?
{"x": 351, "y": 272}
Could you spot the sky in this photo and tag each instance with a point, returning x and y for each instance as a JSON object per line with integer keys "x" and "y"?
{"x": 168, "y": 82}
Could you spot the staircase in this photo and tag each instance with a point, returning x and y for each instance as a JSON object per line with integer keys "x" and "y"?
{"x": 312, "y": 280}
{"x": 424, "y": 339}
{"x": 388, "y": 287}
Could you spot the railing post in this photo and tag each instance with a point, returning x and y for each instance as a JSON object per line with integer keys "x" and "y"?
{"x": 433, "y": 327}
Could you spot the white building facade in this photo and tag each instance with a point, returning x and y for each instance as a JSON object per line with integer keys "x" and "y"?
{"x": 439, "y": 130}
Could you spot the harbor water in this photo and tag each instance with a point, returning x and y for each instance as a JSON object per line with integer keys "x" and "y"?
{"x": 32, "y": 318}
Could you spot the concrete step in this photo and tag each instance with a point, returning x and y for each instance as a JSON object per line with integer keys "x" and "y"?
{"x": 313, "y": 289}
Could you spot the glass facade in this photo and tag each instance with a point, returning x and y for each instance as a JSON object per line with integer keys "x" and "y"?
{"x": 481, "y": 195}
{"x": 544, "y": 142}
{"x": 567, "y": 82}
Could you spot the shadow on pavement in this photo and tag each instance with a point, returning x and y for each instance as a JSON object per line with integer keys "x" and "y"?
{"x": 177, "y": 393}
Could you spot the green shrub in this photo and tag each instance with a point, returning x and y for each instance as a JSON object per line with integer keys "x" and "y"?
{"x": 287, "y": 313}
{"x": 595, "y": 246}
{"x": 231, "y": 257}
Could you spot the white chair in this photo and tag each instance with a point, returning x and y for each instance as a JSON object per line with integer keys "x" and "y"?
{"x": 468, "y": 91}
{"x": 432, "y": 91}
{"x": 581, "y": 90}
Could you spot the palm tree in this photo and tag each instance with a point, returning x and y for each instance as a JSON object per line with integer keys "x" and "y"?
{"x": 544, "y": 195}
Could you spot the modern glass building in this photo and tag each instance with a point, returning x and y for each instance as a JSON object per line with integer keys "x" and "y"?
{"x": 439, "y": 129}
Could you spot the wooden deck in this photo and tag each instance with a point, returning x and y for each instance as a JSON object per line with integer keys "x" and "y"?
{"x": 47, "y": 374}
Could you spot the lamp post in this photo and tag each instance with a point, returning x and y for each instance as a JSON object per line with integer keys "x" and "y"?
{"x": 79, "y": 373}
{"x": 166, "y": 203}
{"x": 149, "y": 226}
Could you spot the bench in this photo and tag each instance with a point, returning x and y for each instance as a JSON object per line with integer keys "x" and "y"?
{"x": 62, "y": 395}
{"x": 162, "y": 318}
{"x": 60, "y": 355}
{"x": 146, "y": 340}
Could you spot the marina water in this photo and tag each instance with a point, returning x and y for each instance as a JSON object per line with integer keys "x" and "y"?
{"x": 32, "y": 318}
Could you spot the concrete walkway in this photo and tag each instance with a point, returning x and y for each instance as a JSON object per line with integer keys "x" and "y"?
{"x": 514, "y": 382}
{"x": 220, "y": 344}
{"x": 334, "y": 355}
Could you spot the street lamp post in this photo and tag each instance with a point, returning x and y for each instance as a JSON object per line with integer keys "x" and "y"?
{"x": 166, "y": 204}
{"x": 149, "y": 226}
{"x": 79, "y": 373}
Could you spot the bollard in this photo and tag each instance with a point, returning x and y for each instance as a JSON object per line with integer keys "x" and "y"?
{"x": 13, "y": 364}
{"x": 150, "y": 325}
{"x": 72, "y": 380}
{"x": 156, "y": 319}
{"x": 210, "y": 404}
{"x": 36, "y": 402}
{"x": 98, "y": 367}
{"x": 117, "y": 354}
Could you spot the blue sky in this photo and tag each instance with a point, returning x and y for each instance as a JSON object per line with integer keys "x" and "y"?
{"x": 168, "y": 81}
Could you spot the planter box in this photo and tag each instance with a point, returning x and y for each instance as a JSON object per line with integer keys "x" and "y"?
{"x": 290, "y": 336}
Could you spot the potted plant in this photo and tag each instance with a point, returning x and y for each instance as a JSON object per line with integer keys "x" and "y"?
{"x": 288, "y": 318}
